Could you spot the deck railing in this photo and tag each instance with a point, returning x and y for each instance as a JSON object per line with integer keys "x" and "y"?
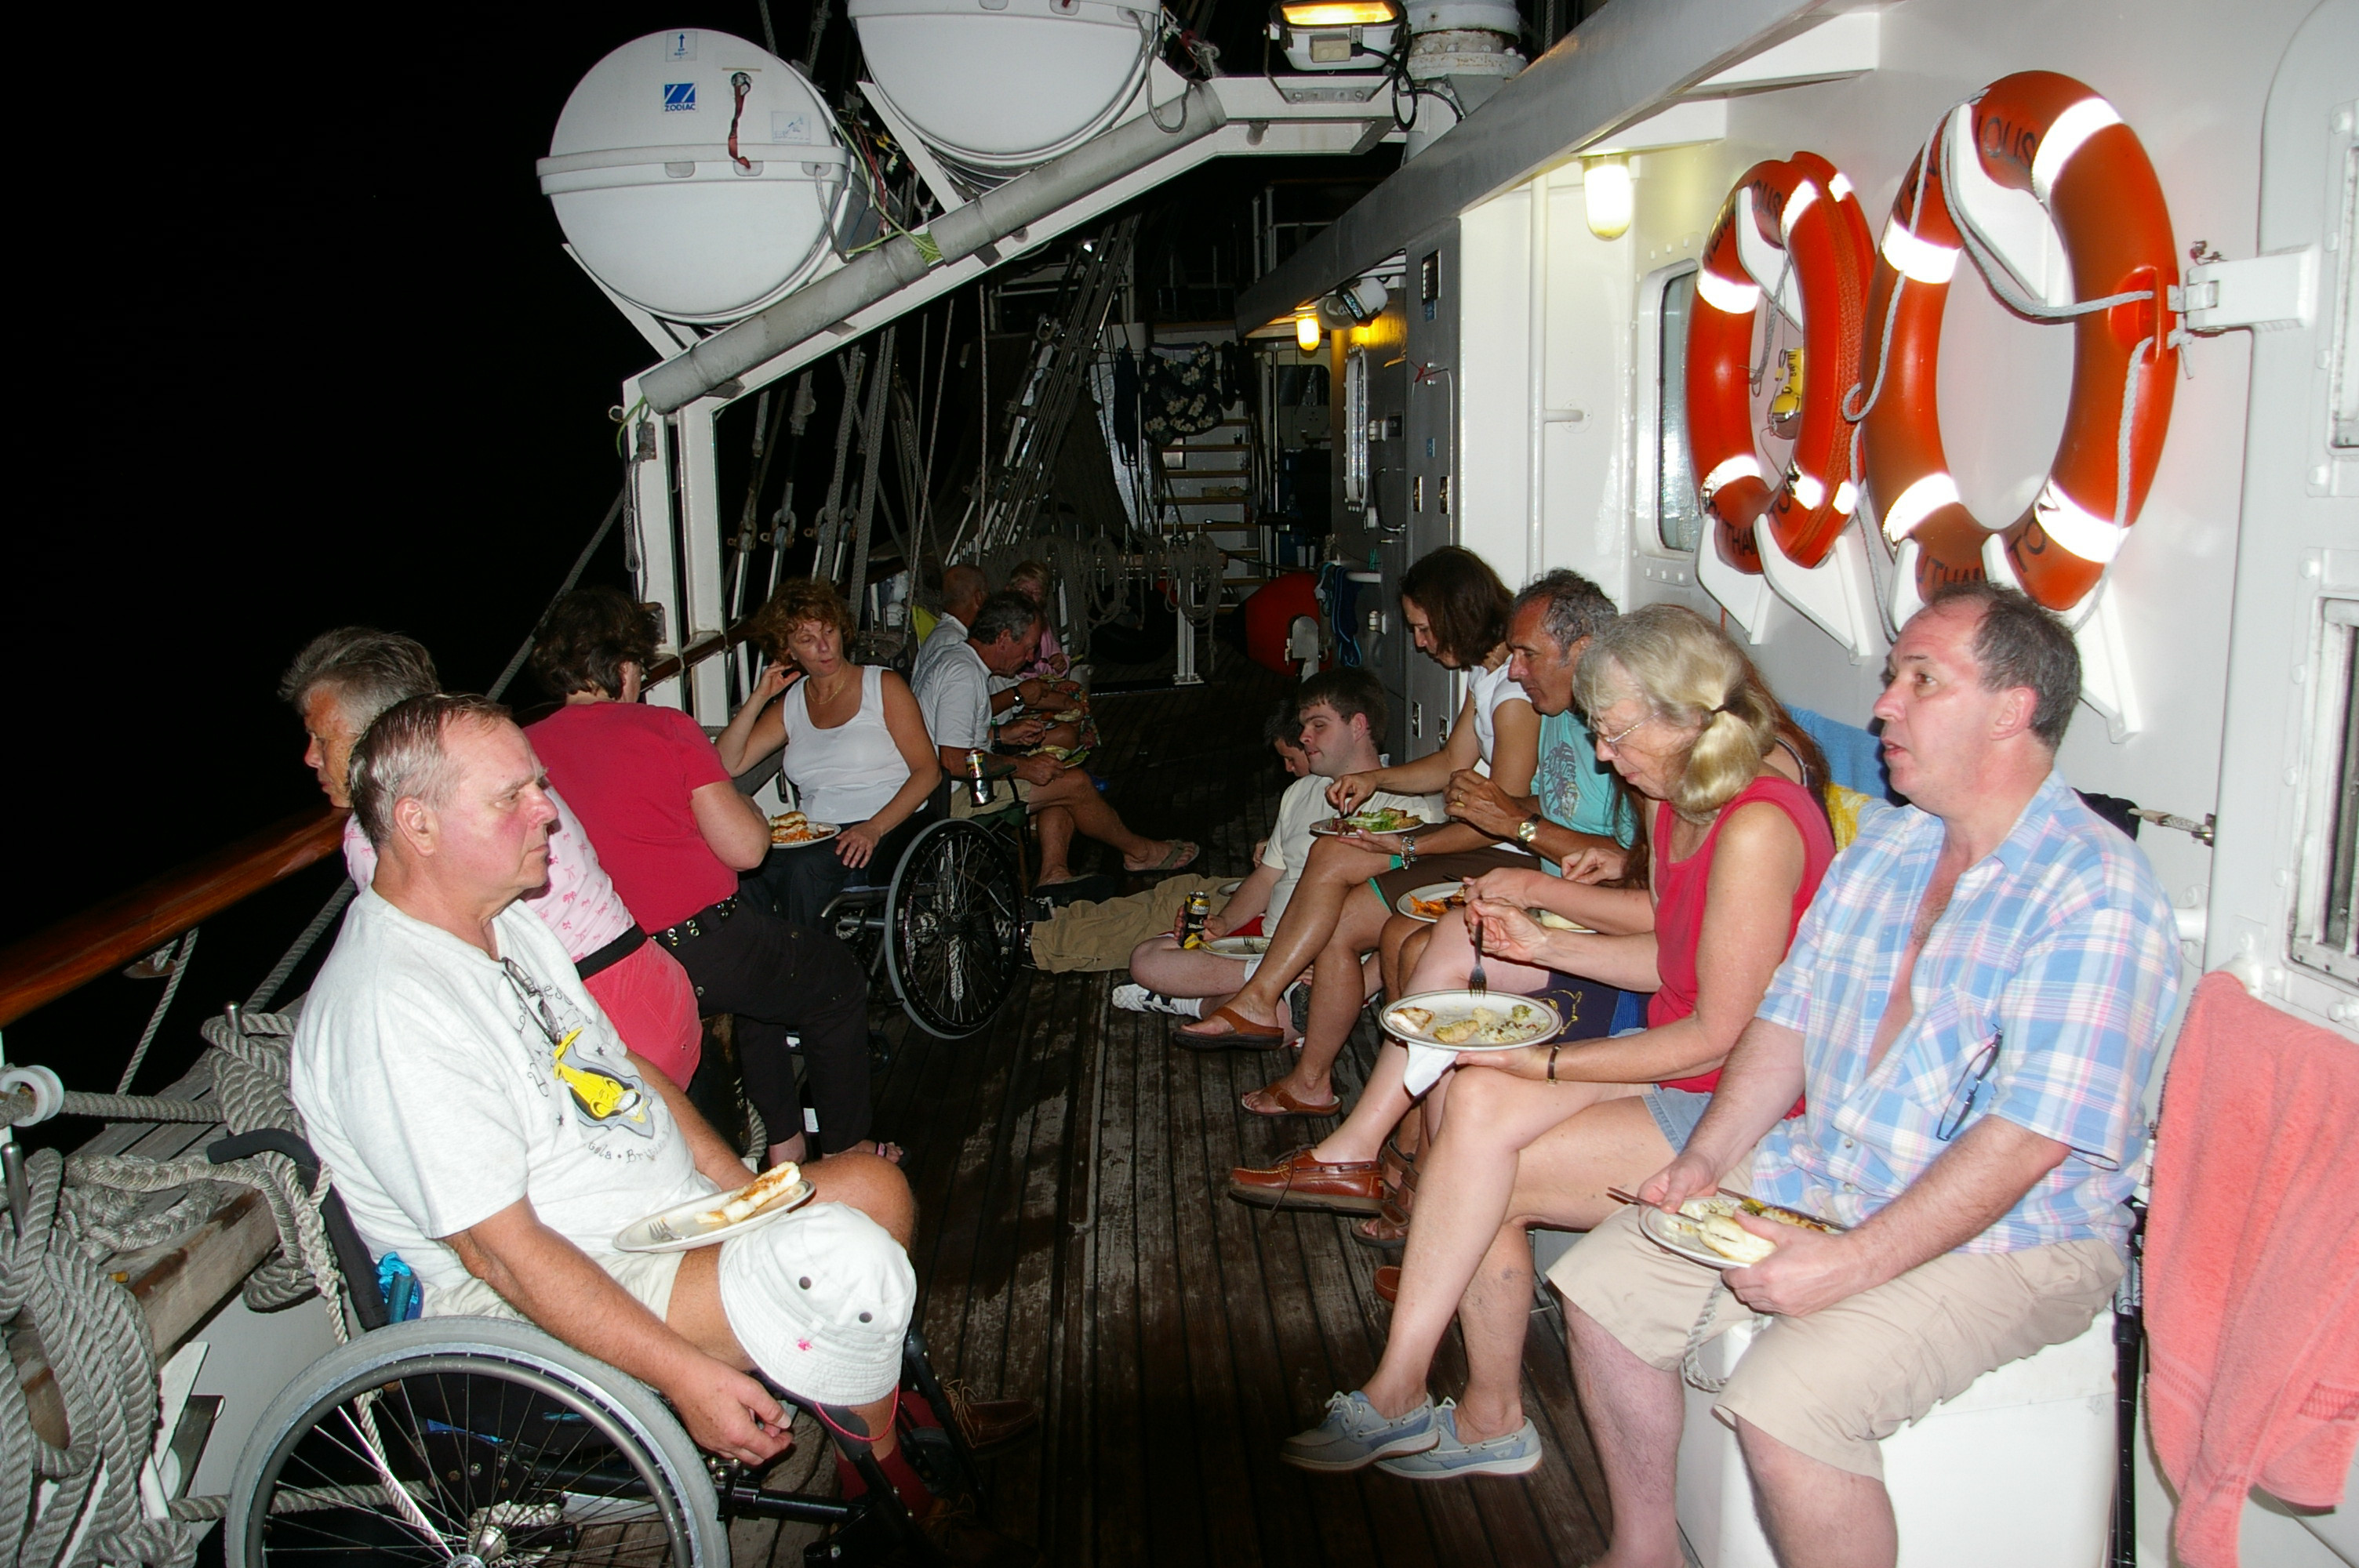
{"x": 43, "y": 967}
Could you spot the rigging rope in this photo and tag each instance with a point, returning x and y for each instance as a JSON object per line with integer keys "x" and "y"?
{"x": 182, "y": 951}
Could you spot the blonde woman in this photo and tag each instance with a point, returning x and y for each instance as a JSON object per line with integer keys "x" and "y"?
{"x": 1536, "y": 1136}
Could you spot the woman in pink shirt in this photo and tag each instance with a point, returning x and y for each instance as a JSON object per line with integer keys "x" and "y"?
{"x": 339, "y": 684}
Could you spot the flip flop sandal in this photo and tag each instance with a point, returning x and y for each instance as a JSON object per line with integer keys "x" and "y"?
{"x": 1287, "y": 1104}
{"x": 1243, "y": 1034}
{"x": 1178, "y": 855}
{"x": 1387, "y": 1283}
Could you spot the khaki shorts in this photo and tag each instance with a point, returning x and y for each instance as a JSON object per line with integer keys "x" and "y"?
{"x": 1100, "y": 937}
{"x": 647, "y": 1276}
{"x": 962, "y": 804}
{"x": 1832, "y": 1384}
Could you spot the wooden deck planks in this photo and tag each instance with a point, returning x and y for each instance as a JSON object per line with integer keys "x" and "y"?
{"x": 1076, "y": 1247}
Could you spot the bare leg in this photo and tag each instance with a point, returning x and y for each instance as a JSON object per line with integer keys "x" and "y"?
{"x": 1381, "y": 1104}
{"x": 1161, "y": 965}
{"x": 1465, "y": 1180}
{"x": 1334, "y": 868}
{"x": 1055, "y": 826}
{"x": 1403, "y": 940}
{"x": 1634, "y": 1413}
{"x": 1338, "y": 988}
{"x": 1094, "y": 818}
{"x": 1813, "y": 1512}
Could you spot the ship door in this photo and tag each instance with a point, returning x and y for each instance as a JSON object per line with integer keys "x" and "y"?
{"x": 2284, "y": 910}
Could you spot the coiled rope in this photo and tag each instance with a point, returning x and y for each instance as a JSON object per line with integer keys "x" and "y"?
{"x": 82, "y": 1210}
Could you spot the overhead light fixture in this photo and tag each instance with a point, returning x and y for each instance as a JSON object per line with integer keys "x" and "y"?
{"x": 1605, "y": 195}
{"x": 1339, "y": 13}
{"x": 1336, "y": 35}
{"x": 1306, "y": 330}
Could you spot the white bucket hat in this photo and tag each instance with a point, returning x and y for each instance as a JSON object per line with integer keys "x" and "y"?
{"x": 821, "y": 1301}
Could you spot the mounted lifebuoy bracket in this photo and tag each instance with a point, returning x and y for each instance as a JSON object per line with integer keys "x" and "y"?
{"x": 1792, "y": 229}
{"x": 2056, "y": 139}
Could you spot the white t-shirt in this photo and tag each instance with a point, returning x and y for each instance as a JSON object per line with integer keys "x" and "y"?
{"x": 440, "y": 1085}
{"x": 1304, "y": 803}
{"x": 955, "y": 699}
{"x": 1489, "y": 688}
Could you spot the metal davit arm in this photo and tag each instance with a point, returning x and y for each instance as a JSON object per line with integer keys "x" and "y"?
{"x": 40, "y": 968}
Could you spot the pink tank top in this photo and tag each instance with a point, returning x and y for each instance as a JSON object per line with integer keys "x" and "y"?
{"x": 1680, "y": 887}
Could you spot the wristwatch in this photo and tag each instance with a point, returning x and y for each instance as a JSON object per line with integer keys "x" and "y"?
{"x": 1527, "y": 830}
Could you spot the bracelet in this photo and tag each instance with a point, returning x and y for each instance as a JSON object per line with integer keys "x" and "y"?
{"x": 1552, "y": 1066}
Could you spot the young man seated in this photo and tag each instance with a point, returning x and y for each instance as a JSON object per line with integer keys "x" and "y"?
{"x": 485, "y": 1122}
{"x": 1341, "y": 721}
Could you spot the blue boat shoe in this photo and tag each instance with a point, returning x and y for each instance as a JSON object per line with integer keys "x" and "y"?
{"x": 1354, "y": 1435}
{"x": 1517, "y": 1454}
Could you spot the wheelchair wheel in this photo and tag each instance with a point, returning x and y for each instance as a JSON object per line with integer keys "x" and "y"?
{"x": 952, "y": 929}
{"x": 470, "y": 1441}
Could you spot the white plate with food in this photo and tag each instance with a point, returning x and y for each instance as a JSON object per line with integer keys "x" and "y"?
{"x": 1237, "y": 946}
{"x": 793, "y": 831}
{"x": 1706, "y": 1230}
{"x": 1383, "y": 819}
{"x": 717, "y": 1217}
{"x": 1431, "y": 901}
{"x": 1472, "y": 1020}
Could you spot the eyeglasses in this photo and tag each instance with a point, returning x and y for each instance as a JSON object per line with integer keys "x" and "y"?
{"x": 1969, "y": 1092}
{"x": 528, "y": 991}
{"x": 1617, "y": 740}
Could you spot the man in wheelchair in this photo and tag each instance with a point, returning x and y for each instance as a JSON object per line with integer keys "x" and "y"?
{"x": 484, "y": 1121}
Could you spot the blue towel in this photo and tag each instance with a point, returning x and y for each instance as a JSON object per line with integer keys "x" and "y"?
{"x": 1855, "y": 757}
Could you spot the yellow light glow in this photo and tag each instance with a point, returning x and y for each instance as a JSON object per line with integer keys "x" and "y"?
{"x": 1339, "y": 13}
{"x": 1605, "y": 196}
{"x": 1305, "y": 331}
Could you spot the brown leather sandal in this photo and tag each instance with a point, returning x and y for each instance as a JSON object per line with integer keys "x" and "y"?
{"x": 1275, "y": 1099}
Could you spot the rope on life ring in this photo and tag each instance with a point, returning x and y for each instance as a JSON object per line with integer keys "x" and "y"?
{"x": 2055, "y": 138}
{"x": 1803, "y": 211}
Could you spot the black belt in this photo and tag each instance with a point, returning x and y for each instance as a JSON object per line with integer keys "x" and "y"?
{"x": 711, "y": 917}
{"x": 613, "y": 953}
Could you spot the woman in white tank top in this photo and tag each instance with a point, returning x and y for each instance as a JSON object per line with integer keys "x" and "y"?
{"x": 856, "y": 748}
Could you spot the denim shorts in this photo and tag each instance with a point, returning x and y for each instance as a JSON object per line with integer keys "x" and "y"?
{"x": 1676, "y": 1112}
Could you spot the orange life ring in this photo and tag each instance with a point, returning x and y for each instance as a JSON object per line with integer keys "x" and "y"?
{"x": 2057, "y": 139}
{"x": 1805, "y": 209}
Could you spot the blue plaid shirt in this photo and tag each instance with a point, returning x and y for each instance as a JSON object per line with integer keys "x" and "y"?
{"x": 2059, "y": 945}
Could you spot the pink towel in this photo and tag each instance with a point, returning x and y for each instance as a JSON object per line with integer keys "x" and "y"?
{"x": 2252, "y": 1267}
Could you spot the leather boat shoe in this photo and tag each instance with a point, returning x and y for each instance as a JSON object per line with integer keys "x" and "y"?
{"x": 1301, "y": 1181}
{"x": 988, "y": 1425}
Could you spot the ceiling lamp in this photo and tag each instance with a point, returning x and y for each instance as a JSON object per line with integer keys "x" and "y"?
{"x": 1336, "y": 35}
{"x": 1305, "y": 331}
{"x": 1605, "y": 195}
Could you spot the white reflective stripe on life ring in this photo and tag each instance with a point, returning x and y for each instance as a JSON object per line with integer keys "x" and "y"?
{"x": 1744, "y": 465}
{"x": 1840, "y": 186}
{"x": 2064, "y": 137}
{"x": 2092, "y": 538}
{"x": 1728, "y": 298}
{"x": 1809, "y": 490}
{"x": 1846, "y": 498}
{"x": 1919, "y": 501}
{"x": 1919, "y": 260}
{"x": 1806, "y": 195}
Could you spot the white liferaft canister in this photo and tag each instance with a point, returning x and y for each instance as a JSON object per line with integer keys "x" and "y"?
{"x": 1000, "y": 85}
{"x": 644, "y": 186}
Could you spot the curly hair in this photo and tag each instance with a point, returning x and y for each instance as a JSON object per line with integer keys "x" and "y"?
{"x": 798, "y": 601}
{"x": 588, "y": 637}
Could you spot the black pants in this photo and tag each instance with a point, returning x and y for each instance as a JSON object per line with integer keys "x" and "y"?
{"x": 775, "y": 978}
{"x": 799, "y": 882}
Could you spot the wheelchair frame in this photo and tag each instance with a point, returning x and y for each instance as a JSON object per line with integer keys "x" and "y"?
{"x": 519, "y": 1352}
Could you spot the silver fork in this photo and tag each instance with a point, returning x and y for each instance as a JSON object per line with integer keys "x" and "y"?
{"x": 1475, "y": 980}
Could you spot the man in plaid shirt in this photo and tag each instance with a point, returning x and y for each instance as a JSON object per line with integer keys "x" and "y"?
{"x": 1972, "y": 1006}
